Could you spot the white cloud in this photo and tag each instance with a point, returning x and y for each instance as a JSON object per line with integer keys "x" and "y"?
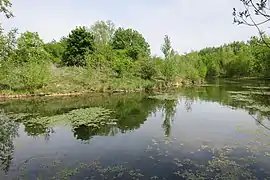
{"x": 190, "y": 24}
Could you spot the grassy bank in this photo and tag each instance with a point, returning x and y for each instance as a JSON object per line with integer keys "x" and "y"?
{"x": 78, "y": 80}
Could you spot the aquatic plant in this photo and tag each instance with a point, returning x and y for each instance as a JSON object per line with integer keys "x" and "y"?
{"x": 250, "y": 92}
{"x": 95, "y": 117}
{"x": 260, "y": 108}
{"x": 242, "y": 98}
{"x": 164, "y": 97}
{"x": 255, "y": 87}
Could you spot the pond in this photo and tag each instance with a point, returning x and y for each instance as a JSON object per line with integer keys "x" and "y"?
{"x": 218, "y": 131}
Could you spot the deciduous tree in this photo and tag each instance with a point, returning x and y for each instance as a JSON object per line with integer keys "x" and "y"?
{"x": 80, "y": 42}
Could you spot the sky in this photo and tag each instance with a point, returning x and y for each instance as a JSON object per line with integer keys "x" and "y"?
{"x": 191, "y": 24}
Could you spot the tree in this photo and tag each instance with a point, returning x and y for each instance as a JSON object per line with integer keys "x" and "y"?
{"x": 104, "y": 55}
{"x": 166, "y": 48}
{"x": 80, "y": 42}
{"x": 103, "y": 32}
{"x": 30, "y": 47}
{"x": 132, "y": 42}
{"x": 5, "y": 6}
{"x": 8, "y": 43}
{"x": 261, "y": 54}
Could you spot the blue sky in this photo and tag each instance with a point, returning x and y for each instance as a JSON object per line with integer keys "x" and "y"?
{"x": 191, "y": 24}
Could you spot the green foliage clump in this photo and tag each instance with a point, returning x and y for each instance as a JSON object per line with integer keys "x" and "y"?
{"x": 95, "y": 117}
{"x": 80, "y": 43}
{"x": 56, "y": 50}
{"x": 131, "y": 42}
{"x": 103, "y": 32}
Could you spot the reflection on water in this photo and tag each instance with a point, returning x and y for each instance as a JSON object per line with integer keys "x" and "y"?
{"x": 219, "y": 131}
{"x": 8, "y": 131}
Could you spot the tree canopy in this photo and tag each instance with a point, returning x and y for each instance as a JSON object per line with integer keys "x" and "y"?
{"x": 103, "y": 32}
{"x": 80, "y": 42}
{"x": 132, "y": 42}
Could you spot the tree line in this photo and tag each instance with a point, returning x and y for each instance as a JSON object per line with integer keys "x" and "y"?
{"x": 103, "y": 56}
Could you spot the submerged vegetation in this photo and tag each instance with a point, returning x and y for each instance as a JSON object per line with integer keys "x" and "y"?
{"x": 221, "y": 163}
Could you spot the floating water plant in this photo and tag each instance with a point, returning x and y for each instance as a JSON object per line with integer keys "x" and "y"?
{"x": 254, "y": 87}
{"x": 250, "y": 92}
{"x": 260, "y": 108}
{"x": 91, "y": 117}
{"x": 95, "y": 117}
{"x": 164, "y": 97}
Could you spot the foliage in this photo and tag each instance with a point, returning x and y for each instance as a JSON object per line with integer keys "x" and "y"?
{"x": 132, "y": 42}
{"x": 80, "y": 42}
{"x": 7, "y": 44}
{"x": 166, "y": 48}
{"x": 103, "y": 32}
{"x": 30, "y": 47}
{"x": 118, "y": 59}
{"x": 56, "y": 50}
{"x": 27, "y": 67}
{"x": 92, "y": 117}
{"x": 5, "y": 6}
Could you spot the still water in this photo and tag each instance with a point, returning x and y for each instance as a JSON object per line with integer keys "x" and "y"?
{"x": 219, "y": 131}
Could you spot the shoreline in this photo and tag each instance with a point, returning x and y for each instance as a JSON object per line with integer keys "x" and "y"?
{"x": 28, "y": 95}
{"x": 77, "y": 93}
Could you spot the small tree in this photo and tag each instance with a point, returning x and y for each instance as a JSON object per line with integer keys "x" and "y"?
{"x": 30, "y": 47}
{"x": 166, "y": 48}
{"x": 80, "y": 42}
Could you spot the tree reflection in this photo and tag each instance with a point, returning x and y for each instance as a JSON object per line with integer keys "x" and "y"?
{"x": 8, "y": 131}
{"x": 169, "y": 110}
{"x": 131, "y": 113}
{"x": 254, "y": 103}
{"x": 85, "y": 133}
{"x": 131, "y": 110}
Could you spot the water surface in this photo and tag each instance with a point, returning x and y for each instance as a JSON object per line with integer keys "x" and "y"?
{"x": 219, "y": 131}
